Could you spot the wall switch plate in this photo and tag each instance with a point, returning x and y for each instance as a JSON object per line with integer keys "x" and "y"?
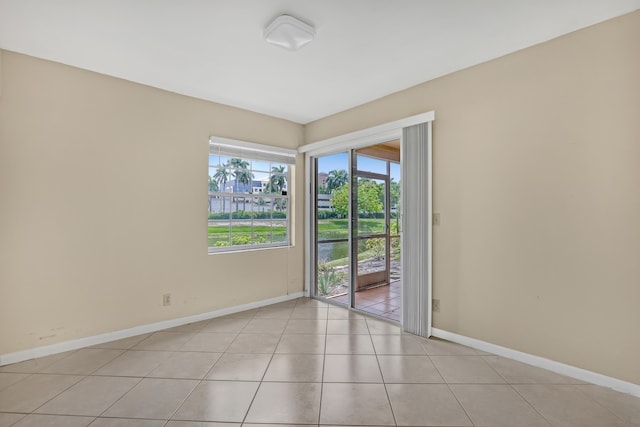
{"x": 436, "y": 305}
{"x": 166, "y": 299}
{"x": 436, "y": 219}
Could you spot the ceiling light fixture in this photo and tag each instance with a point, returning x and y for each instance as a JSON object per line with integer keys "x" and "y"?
{"x": 289, "y": 33}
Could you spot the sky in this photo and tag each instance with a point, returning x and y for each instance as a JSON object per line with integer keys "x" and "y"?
{"x": 340, "y": 161}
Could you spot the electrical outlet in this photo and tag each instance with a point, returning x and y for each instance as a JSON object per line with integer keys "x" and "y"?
{"x": 436, "y": 219}
{"x": 436, "y": 305}
{"x": 166, "y": 299}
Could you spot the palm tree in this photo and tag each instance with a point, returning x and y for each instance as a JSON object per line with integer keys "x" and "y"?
{"x": 277, "y": 180}
{"x": 245, "y": 177}
{"x": 237, "y": 165}
{"x": 222, "y": 176}
{"x": 213, "y": 187}
{"x": 336, "y": 179}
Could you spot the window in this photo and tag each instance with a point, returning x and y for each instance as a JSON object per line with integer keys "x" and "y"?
{"x": 249, "y": 202}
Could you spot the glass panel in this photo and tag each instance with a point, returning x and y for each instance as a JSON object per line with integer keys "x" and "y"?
{"x": 214, "y": 161}
{"x": 227, "y": 206}
{"x": 215, "y": 205}
{"x": 222, "y": 175}
{"x": 261, "y": 208}
{"x": 332, "y": 207}
{"x": 241, "y": 207}
{"x": 332, "y": 228}
{"x": 279, "y": 230}
{"x": 395, "y": 259}
{"x": 333, "y": 271}
{"x": 332, "y": 173}
{"x": 368, "y": 164}
{"x": 394, "y": 195}
{"x": 219, "y": 206}
{"x": 259, "y": 166}
{"x": 260, "y": 182}
{"x": 279, "y": 207}
{"x": 240, "y": 233}
{"x": 218, "y": 233}
{"x": 371, "y": 198}
{"x": 278, "y": 183}
{"x": 261, "y": 232}
{"x": 371, "y": 255}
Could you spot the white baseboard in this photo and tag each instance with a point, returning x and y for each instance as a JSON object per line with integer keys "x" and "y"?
{"x": 541, "y": 362}
{"x": 20, "y": 356}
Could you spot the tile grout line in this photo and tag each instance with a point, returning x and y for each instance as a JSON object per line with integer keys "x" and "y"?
{"x": 446, "y": 382}
{"x": 246, "y": 414}
{"x": 529, "y": 403}
{"x": 577, "y": 387}
{"x": 517, "y": 392}
{"x": 324, "y": 362}
{"x": 386, "y": 391}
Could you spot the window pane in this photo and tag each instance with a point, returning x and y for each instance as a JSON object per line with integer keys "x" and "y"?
{"x": 260, "y": 208}
{"x": 260, "y": 166}
{"x": 279, "y": 207}
{"x": 371, "y": 212}
{"x": 278, "y": 183}
{"x": 333, "y": 269}
{"x": 261, "y": 233}
{"x": 395, "y": 258}
{"x": 215, "y": 205}
{"x": 218, "y": 234}
{"x": 238, "y": 205}
{"x": 260, "y": 182}
{"x": 279, "y": 230}
{"x": 240, "y": 233}
{"x": 333, "y": 228}
{"x": 371, "y": 165}
{"x": 225, "y": 206}
{"x": 334, "y": 162}
{"x": 368, "y": 226}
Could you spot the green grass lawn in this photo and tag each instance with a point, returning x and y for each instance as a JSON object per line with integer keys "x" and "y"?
{"x": 327, "y": 229}
{"x": 260, "y": 234}
{"x": 339, "y": 228}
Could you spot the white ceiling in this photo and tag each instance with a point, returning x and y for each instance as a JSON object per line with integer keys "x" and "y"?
{"x": 213, "y": 49}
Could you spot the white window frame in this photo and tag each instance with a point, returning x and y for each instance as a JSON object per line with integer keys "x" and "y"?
{"x": 253, "y": 152}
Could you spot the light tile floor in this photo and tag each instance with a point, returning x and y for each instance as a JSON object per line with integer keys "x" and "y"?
{"x": 301, "y": 362}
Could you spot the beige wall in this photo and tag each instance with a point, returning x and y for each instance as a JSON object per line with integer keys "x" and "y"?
{"x": 103, "y": 206}
{"x": 537, "y": 180}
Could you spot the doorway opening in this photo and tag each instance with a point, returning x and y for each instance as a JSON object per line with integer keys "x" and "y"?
{"x": 356, "y": 229}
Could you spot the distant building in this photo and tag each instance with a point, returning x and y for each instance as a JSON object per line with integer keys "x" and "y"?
{"x": 324, "y": 201}
{"x": 257, "y": 186}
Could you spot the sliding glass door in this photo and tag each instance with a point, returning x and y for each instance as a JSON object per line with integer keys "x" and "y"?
{"x": 356, "y": 257}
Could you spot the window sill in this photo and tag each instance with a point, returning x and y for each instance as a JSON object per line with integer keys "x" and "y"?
{"x": 244, "y": 250}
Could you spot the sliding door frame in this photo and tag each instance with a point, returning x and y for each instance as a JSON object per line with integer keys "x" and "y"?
{"x": 351, "y": 141}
